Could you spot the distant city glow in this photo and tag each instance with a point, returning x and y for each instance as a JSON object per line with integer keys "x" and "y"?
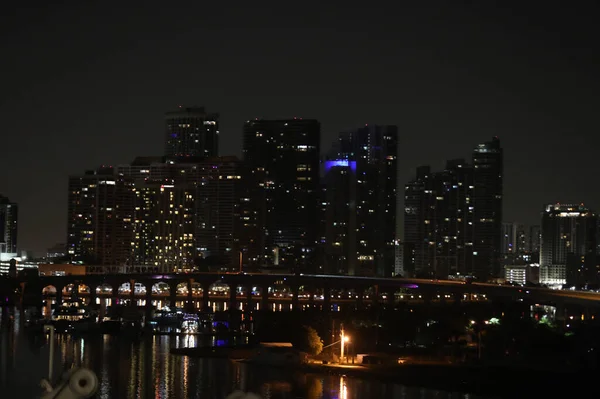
{"x": 340, "y": 162}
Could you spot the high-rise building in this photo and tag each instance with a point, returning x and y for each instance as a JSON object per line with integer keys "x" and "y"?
{"x": 361, "y": 196}
{"x": 9, "y": 214}
{"x": 100, "y": 218}
{"x": 214, "y": 184}
{"x": 534, "y": 239}
{"x": 279, "y": 207}
{"x": 438, "y": 222}
{"x": 513, "y": 243}
{"x": 568, "y": 245}
{"x": 218, "y": 217}
{"x": 164, "y": 225}
{"x": 487, "y": 201}
{"x": 191, "y": 132}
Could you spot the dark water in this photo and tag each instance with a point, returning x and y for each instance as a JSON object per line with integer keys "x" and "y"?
{"x": 144, "y": 368}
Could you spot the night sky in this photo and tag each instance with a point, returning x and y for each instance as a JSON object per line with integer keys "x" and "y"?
{"x": 88, "y": 84}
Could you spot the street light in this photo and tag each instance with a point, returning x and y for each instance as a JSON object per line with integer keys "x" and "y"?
{"x": 345, "y": 339}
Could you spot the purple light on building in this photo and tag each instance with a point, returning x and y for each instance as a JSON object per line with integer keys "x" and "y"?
{"x": 340, "y": 163}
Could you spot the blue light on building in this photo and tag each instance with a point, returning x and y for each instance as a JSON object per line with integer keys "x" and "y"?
{"x": 340, "y": 163}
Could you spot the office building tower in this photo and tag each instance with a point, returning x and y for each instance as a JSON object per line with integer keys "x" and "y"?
{"x": 568, "y": 245}
{"x": 487, "y": 202}
{"x": 513, "y": 243}
{"x": 534, "y": 239}
{"x": 100, "y": 218}
{"x": 279, "y": 206}
{"x": 191, "y": 132}
{"x": 361, "y": 196}
{"x": 438, "y": 222}
{"x": 214, "y": 183}
{"x": 164, "y": 226}
{"x": 218, "y": 218}
{"x": 9, "y": 214}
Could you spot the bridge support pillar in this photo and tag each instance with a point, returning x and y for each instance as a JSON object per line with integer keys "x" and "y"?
{"x": 360, "y": 294}
{"x": 587, "y": 314}
{"x": 148, "y": 308}
{"x": 458, "y": 297}
{"x": 249, "y": 301}
{"x": 326, "y": 299}
{"x": 92, "y": 295}
{"x": 172, "y": 296}
{"x": 132, "y": 300}
{"x": 295, "y": 304}
{"x": 391, "y": 299}
{"x": 231, "y": 305}
{"x": 311, "y": 299}
{"x": 561, "y": 313}
{"x": 375, "y": 298}
{"x": 206, "y": 297}
{"x": 264, "y": 298}
{"x": 190, "y": 296}
{"x": 59, "y": 295}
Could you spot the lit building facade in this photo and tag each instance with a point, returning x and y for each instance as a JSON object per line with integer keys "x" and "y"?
{"x": 215, "y": 184}
{"x": 165, "y": 226}
{"x": 100, "y": 218}
{"x": 191, "y": 132}
{"x": 361, "y": 196}
{"x": 9, "y": 222}
{"x": 279, "y": 207}
{"x": 568, "y": 245}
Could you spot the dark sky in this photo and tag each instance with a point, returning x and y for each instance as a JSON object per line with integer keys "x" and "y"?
{"x": 84, "y": 84}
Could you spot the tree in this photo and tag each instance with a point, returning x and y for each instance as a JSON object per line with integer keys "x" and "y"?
{"x": 307, "y": 340}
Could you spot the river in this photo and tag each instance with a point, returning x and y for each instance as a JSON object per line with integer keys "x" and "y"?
{"x": 143, "y": 368}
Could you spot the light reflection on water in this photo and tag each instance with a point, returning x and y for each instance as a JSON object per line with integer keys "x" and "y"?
{"x": 144, "y": 368}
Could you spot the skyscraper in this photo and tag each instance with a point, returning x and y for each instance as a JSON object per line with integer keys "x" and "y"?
{"x": 487, "y": 202}
{"x": 9, "y": 213}
{"x": 279, "y": 206}
{"x": 438, "y": 223}
{"x": 361, "y": 196}
{"x": 100, "y": 218}
{"x": 164, "y": 225}
{"x": 217, "y": 207}
{"x": 513, "y": 242}
{"x": 210, "y": 186}
{"x": 191, "y": 133}
{"x": 568, "y": 245}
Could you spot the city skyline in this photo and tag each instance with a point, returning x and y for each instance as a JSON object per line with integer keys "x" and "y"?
{"x": 447, "y": 77}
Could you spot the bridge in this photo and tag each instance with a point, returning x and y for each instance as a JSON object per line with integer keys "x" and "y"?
{"x": 287, "y": 291}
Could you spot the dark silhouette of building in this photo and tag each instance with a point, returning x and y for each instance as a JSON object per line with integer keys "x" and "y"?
{"x": 438, "y": 222}
{"x": 217, "y": 208}
{"x": 568, "y": 245}
{"x": 361, "y": 196}
{"x": 279, "y": 206}
{"x": 453, "y": 218}
{"x": 9, "y": 217}
{"x": 100, "y": 218}
{"x": 488, "y": 164}
{"x": 191, "y": 132}
{"x": 514, "y": 243}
